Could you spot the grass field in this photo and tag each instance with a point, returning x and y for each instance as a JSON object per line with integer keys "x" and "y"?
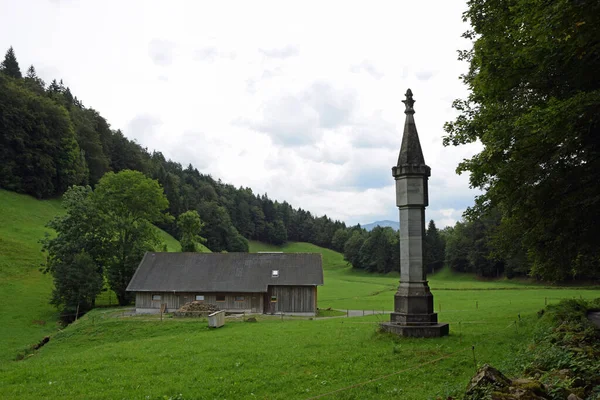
{"x": 108, "y": 354}
{"x": 25, "y": 315}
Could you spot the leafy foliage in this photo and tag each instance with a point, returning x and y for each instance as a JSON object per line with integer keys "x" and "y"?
{"x": 534, "y": 104}
{"x": 470, "y": 248}
{"x": 110, "y": 228}
{"x": 76, "y": 285}
{"x": 189, "y": 224}
{"x": 129, "y": 203}
{"x": 39, "y": 154}
{"x": 565, "y": 350}
{"x": 74, "y": 256}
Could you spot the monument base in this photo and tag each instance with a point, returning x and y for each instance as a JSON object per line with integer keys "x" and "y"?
{"x": 422, "y": 331}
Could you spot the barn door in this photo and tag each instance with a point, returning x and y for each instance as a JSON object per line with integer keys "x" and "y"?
{"x": 184, "y": 298}
{"x": 254, "y": 303}
{"x": 271, "y": 301}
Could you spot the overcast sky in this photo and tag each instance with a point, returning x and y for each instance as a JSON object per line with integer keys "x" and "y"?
{"x": 301, "y": 100}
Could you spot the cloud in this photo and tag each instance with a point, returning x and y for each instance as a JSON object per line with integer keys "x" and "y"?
{"x": 444, "y": 217}
{"x": 143, "y": 127}
{"x": 211, "y": 53}
{"x": 300, "y": 119}
{"x": 161, "y": 52}
{"x": 333, "y": 106}
{"x": 373, "y": 132}
{"x": 424, "y": 75}
{"x": 367, "y": 67}
{"x": 288, "y": 121}
{"x": 283, "y": 52}
{"x": 206, "y": 53}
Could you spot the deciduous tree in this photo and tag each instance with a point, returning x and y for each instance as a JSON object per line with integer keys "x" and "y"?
{"x": 190, "y": 225}
{"x": 129, "y": 203}
{"x": 534, "y": 104}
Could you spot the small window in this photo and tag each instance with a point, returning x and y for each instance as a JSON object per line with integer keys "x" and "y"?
{"x": 199, "y": 297}
{"x": 156, "y": 297}
{"x": 220, "y": 297}
{"x": 239, "y": 298}
{"x": 275, "y": 273}
{"x": 273, "y": 299}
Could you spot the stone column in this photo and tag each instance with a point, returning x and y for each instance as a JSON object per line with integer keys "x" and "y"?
{"x": 413, "y": 302}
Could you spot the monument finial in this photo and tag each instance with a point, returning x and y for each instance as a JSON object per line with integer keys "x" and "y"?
{"x": 410, "y": 150}
{"x": 409, "y": 102}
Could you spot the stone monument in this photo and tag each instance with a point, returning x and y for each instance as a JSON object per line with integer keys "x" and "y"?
{"x": 413, "y": 302}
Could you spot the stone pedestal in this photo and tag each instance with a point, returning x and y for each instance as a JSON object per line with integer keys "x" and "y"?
{"x": 413, "y": 302}
{"x": 413, "y": 315}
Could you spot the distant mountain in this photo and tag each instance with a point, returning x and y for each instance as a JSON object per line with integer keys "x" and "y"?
{"x": 383, "y": 224}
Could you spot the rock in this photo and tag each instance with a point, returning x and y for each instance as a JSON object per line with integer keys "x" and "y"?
{"x": 489, "y": 383}
{"x": 487, "y": 378}
{"x": 528, "y": 389}
{"x": 573, "y": 396}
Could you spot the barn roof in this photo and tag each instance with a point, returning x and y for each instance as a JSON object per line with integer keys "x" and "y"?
{"x": 224, "y": 272}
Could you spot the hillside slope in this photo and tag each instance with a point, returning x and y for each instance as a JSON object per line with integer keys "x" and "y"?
{"x": 25, "y": 315}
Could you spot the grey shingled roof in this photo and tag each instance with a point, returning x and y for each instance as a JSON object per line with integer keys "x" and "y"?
{"x": 224, "y": 272}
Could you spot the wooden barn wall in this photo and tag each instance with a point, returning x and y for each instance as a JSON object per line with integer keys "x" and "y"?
{"x": 253, "y": 302}
{"x": 299, "y": 299}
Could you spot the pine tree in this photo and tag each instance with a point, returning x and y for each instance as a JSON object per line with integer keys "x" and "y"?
{"x": 33, "y": 81}
{"x": 10, "y": 66}
{"x": 434, "y": 248}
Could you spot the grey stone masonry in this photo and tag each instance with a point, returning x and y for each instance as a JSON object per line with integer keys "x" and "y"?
{"x": 413, "y": 302}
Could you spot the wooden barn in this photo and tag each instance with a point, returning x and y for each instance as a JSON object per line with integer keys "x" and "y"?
{"x": 252, "y": 282}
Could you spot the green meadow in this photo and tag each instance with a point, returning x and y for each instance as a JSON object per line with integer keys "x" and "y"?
{"x": 25, "y": 315}
{"x": 109, "y": 354}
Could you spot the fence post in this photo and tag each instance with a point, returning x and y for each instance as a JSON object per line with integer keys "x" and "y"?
{"x": 77, "y": 312}
{"x": 474, "y": 359}
{"x": 363, "y": 313}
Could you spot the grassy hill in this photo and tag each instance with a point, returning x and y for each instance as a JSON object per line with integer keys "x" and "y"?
{"x": 25, "y": 315}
